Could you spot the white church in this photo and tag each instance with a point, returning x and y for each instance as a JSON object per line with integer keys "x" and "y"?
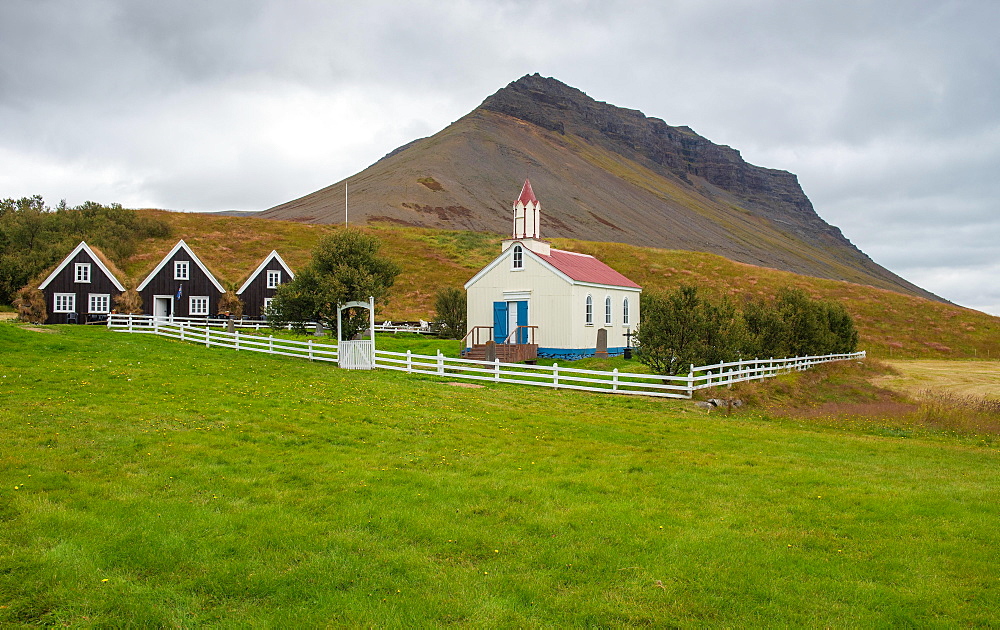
{"x": 554, "y": 300}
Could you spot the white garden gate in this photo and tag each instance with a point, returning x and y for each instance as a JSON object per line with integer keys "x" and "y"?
{"x": 358, "y": 354}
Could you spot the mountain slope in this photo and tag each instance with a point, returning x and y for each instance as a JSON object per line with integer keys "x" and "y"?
{"x": 603, "y": 173}
{"x": 891, "y": 324}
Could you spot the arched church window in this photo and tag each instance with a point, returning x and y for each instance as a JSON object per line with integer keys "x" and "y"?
{"x": 625, "y": 313}
{"x": 607, "y": 311}
{"x": 518, "y": 262}
{"x": 589, "y": 311}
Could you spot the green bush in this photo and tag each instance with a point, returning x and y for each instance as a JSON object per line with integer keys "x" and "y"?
{"x": 682, "y": 328}
{"x": 450, "y": 308}
{"x": 345, "y": 267}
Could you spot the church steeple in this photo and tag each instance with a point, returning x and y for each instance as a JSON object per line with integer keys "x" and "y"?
{"x": 528, "y": 222}
{"x": 527, "y": 214}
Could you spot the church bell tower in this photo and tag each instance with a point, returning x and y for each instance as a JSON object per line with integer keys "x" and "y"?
{"x": 527, "y": 222}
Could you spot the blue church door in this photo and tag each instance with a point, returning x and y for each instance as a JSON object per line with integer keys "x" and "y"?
{"x": 507, "y": 316}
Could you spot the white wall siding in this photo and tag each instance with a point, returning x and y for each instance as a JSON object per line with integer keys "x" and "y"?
{"x": 555, "y": 304}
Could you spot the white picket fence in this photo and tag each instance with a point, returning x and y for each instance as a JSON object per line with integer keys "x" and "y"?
{"x": 359, "y": 356}
{"x": 146, "y": 321}
{"x": 251, "y": 342}
{"x": 614, "y": 381}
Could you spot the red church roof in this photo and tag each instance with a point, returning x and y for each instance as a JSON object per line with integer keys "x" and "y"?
{"x": 584, "y": 268}
{"x": 526, "y": 194}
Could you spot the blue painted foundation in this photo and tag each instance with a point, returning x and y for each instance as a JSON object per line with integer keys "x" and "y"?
{"x": 573, "y": 354}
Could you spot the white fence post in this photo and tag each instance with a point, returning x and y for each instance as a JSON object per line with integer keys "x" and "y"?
{"x": 409, "y": 362}
{"x": 208, "y": 339}
{"x": 270, "y": 344}
{"x": 440, "y": 363}
{"x": 555, "y": 376}
{"x": 614, "y": 380}
{"x": 310, "y": 349}
{"x": 496, "y": 370}
{"x": 237, "y": 333}
{"x": 690, "y": 391}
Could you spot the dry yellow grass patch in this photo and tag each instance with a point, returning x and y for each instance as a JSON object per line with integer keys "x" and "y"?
{"x": 967, "y": 378}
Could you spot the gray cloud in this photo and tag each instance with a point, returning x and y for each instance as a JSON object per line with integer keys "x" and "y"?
{"x": 888, "y": 110}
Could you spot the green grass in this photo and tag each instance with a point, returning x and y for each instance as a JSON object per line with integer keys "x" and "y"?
{"x": 148, "y": 482}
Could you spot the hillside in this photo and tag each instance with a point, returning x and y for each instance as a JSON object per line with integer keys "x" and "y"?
{"x": 603, "y": 173}
{"x": 891, "y": 324}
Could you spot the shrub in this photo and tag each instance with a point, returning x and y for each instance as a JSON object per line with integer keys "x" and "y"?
{"x": 682, "y": 328}
{"x": 450, "y": 309}
{"x": 30, "y": 304}
{"x": 129, "y": 302}
{"x": 345, "y": 267}
{"x": 231, "y": 303}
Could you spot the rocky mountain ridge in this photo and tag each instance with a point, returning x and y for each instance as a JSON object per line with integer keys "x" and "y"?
{"x": 603, "y": 173}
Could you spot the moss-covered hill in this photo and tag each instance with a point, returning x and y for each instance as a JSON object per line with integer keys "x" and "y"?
{"x": 891, "y": 324}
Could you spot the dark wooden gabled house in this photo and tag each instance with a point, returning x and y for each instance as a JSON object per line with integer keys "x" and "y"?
{"x": 81, "y": 289}
{"x": 258, "y": 290}
{"x": 180, "y": 286}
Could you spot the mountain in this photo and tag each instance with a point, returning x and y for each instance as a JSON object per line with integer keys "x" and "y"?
{"x": 603, "y": 173}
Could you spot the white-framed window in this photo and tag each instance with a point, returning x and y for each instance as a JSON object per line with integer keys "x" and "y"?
{"x": 267, "y": 304}
{"x": 182, "y": 270}
{"x": 82, "y": 272}
{"x": 64, "y": 303}
{"x": 273, "y": 278}
{"x": 625, "y": 313}
{"x": 99, "y": 303}
{"x": 608, "y": 318}
{"x": 588, "y": 311}
{"x": 198, "y": 305}
{"x": 517, "y": 259}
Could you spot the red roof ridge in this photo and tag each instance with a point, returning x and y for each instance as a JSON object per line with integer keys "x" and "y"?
{"x": 563, "y": 251}
{"x": 526, "y": 193}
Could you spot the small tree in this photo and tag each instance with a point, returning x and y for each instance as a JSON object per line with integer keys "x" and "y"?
{"x": 671, "y": 335}
{"x": 30, "y": 304}
{"x": 345, "y": 267}
{"x": 450, "y": 308}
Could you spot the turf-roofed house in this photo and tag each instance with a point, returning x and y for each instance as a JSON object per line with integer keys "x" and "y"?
{"x": 181, "y": 286}
{"x": 259, "y": 288}
{"x": 536, "y": 299}
{"x": 82, "y": 288}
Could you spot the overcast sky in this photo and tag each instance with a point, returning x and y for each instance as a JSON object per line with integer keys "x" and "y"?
{"x": 888, "y": 111}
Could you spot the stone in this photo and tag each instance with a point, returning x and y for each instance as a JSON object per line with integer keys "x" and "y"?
{"x": 602, "y": 344}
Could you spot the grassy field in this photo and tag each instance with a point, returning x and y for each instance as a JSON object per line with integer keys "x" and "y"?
{"x": 966, "y": 378}
{"x": 148, "y": 482}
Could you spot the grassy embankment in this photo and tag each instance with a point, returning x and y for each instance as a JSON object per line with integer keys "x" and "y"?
{"x": 149, "y": 482}
{"x": 891, "y": 325}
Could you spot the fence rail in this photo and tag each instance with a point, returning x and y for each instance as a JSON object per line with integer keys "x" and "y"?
{"x": 554, "y": 376}
{"x": 146, "y": 321}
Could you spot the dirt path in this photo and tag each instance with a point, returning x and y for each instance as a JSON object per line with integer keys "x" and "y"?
{"x": 978, "y": 378}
